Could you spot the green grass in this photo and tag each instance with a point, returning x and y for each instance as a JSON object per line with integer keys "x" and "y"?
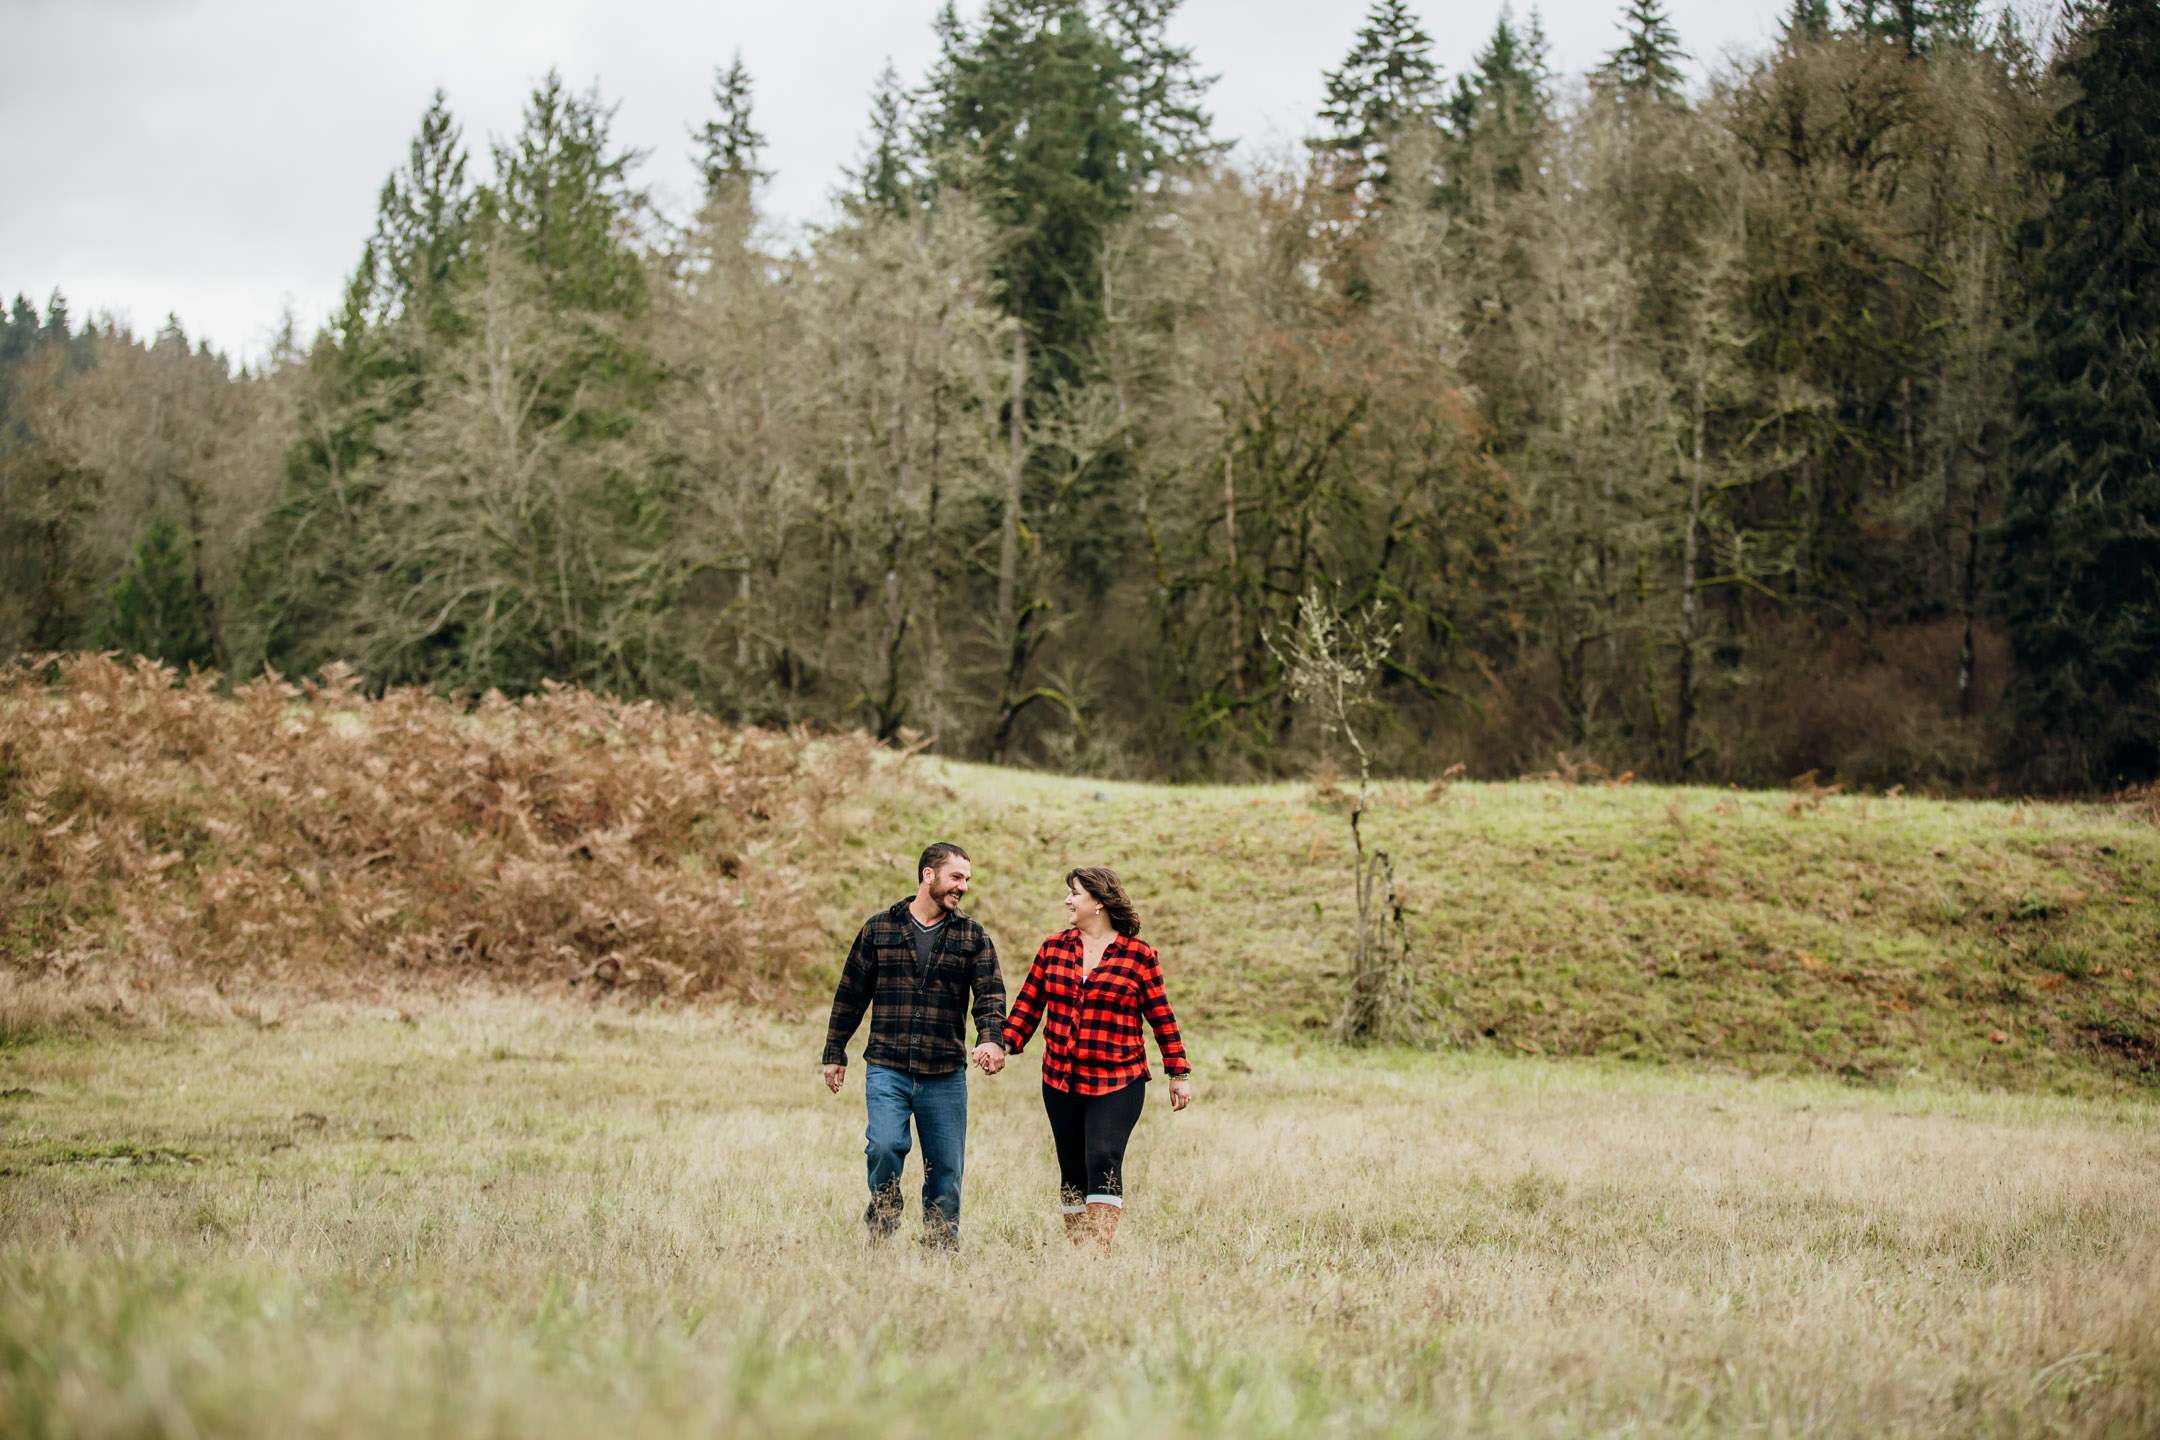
{"x": 516, "y": 1218}
{"x": 1882, "y": 940}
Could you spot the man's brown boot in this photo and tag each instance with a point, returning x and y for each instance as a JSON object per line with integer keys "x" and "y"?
{"x": 1076, "y": 1225}
{"x": 1102, "y": 1221}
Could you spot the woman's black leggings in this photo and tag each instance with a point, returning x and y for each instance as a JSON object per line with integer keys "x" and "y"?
{"x": 1091, "y": 1131}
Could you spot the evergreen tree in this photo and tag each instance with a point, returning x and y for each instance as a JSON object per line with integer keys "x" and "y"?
{"x": 886, "y": 177}
{"x": 19, "y": 339}
{"x": 49, "y": 500}
{"x": 423, "y": 223}
{"x": 158, "y": 608}
{"x": 19, "y": 332}
{"x": 728, "y": 145}
{"x": 1806, "y": 23}
{"x": 23, "y": 334}
{"x": 1071, "y": 113}
{"x": 171, "y": 337}
{"x": 2081, "y": 533}
{"x": 1162, "y": 90}
{"x": 1496, "y": 105}
{"x": 564, "y": 196}
{"x": 1387, "y": 81}
{"x": 1646, "y": 65}
{"x": 1906, "y": 23}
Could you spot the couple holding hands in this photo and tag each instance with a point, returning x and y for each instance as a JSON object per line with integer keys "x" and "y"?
{"x": 917, "y": 966}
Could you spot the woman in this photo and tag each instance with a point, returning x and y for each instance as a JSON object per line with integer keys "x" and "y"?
{"x": 1090, "y": 987}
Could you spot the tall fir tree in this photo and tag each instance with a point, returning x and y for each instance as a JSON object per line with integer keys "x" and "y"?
{"x": 563, "y": 192}
{"x": 1386, "y": 82}
{"x": 300, "y": 574}
{"x": 1163, "y": 90}
{"x": 423, "y": 222}
{"x": 885, "y": 179}
{"x": 2080, "y": 573}
{"x": 1646, "y": 64}
{"x": 1496, "y": 105}
{"x": 728, "y": 144}
{"x": 1071, "y": 111}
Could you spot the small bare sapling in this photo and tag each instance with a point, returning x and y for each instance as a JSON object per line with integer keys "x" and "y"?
{"x": 1332, "y": 660}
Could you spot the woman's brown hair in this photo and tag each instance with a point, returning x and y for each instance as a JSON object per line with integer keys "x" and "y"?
{"x": 1101, "y": 882}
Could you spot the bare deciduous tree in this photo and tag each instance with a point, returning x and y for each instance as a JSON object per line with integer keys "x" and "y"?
{"x": 1332, "y": 660}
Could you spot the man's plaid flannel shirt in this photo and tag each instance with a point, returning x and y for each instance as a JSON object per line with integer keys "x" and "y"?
{"x": 919, "y": 1022}
{"x": 1092, "y": 1043}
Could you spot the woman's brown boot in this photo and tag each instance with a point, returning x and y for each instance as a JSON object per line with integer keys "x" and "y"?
{"x": 1102, "y": 1221}
{"x": 1076, "y": 1225}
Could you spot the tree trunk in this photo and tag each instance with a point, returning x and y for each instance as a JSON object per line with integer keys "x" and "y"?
{"x": 889, "y": 705}
{"x": 934, "y": 633}
{"x": 1649, "y": 651}
{"x": 1237, "y": 604}
{"x": 835, "y": 526}
{"x": 1009, "y": 540}
{"x": 763, "y": 476}
{"x": 1970, "y": 601}
{"x": 1361, "y": 1007}
{"x": 1684, "y": 708}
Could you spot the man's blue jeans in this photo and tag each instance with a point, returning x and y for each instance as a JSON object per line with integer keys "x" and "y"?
{"x": 939, "y": 1107}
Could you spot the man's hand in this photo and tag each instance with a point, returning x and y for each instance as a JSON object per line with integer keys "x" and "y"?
{"x": 1180, "y": 1094}
{"x": 990, "y": 1055}
{"x": 834, "y": 1074}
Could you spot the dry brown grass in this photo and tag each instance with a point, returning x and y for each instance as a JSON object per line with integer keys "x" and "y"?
{"x": 309, "y": 836}
{"x": 521, "y": 1218}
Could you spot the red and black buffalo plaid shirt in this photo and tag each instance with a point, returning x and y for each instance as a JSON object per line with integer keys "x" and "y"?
{"x": 1092, "y": 1043}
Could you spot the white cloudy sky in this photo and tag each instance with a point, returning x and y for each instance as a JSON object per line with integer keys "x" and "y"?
{"x": 219, "y": 159}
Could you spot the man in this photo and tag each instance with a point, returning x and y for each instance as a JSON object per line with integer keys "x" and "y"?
{"x": 919, "y": 961}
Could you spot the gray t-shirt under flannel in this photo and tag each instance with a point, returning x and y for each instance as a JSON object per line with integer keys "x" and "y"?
{"x": 926, "y": 938}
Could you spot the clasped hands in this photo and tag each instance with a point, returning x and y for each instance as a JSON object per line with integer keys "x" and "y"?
{"x": 990, "y": 1055}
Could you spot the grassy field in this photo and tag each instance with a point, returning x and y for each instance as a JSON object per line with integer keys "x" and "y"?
{"x": 1887, "y": 941}
{"x": 1798, "y": 1114}
{"x": 519, "y": 1218}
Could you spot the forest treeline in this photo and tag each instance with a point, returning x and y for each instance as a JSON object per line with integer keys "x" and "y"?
{"x": 1802, "y": 420}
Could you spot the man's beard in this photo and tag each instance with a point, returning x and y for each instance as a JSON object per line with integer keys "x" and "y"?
{"x": 946, "y": 899}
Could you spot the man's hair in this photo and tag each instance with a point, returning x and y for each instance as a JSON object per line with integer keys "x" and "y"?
{"x": 935, "y": 857}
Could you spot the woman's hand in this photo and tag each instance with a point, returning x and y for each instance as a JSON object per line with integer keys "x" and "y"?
{"x": 1180, "y": 1093}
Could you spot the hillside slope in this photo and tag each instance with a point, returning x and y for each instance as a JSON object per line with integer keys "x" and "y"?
{"x": 1884, "y": 939}
{"x": 314, "y": 839}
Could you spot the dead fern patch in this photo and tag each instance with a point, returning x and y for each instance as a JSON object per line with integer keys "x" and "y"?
{"x": 309, "y": 835}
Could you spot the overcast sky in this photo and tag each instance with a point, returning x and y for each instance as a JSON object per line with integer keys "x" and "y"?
{"x": 219, "y": 159}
